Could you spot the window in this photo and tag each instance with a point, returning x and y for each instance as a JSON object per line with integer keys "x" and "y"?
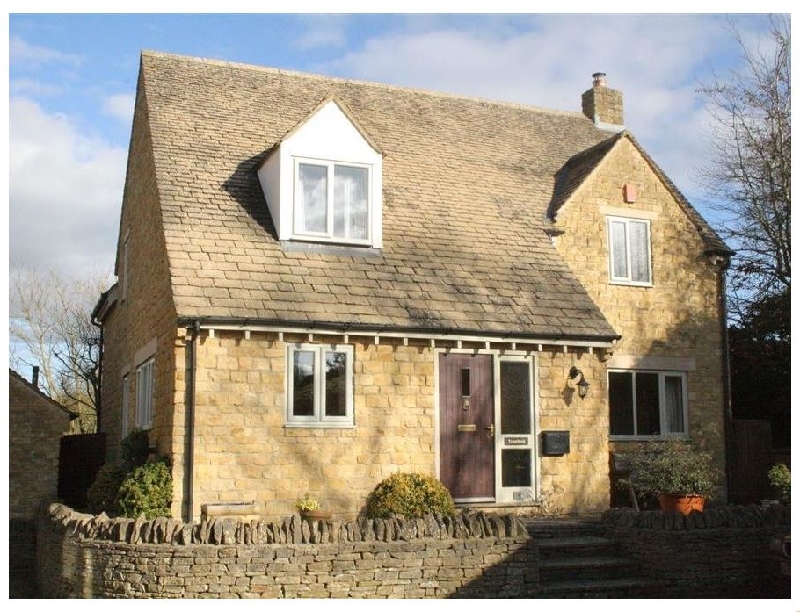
{"x": 629, "y": 251}
{"x": 647, "y": 404}
{"x": 124, "y": 415}
{"x": 332, "y": 201}
{"x": 320, "y": 385}
{"x": 145, "y": 390}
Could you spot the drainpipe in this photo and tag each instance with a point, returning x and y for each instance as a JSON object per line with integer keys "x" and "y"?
{"x": 190, "y": 418}
{"x": 724, "y": 263}
{"x": 98, "y": 403}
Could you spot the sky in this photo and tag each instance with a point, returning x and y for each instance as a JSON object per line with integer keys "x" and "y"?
{"x": 72, "y": 81}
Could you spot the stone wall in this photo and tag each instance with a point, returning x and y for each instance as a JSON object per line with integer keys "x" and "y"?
{"x": 672, "y": 324}
{"x": 35, "y": 426}
{"x": 721, "y": 553}
{"x": 724, "y": 552}
{"x": 476, "y": 555}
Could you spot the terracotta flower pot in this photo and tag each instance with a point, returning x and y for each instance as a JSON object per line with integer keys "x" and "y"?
{"x": 684, "y": 504}
{"x": 316, "y": 515}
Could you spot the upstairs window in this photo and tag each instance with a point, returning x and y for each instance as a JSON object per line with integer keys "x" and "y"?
{"x": 332, "y": 201}
{"x": 647, "y": 404}
{"x": 145, "y": 392}
{"x": 629, "y": 251}
{"x": 320, "y": 385}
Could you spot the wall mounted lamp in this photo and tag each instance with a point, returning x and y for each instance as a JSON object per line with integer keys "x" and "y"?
{"x": 583, "y": 386}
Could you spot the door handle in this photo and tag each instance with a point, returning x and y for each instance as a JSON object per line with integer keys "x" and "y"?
{"x": 490, "y": 429}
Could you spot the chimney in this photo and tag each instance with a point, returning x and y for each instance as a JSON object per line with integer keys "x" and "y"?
{"x": 35, "y": 380}
{"x": 601, "y": 104}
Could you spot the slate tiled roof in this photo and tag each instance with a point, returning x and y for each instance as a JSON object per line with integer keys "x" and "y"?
{"x": 466, "y": 188}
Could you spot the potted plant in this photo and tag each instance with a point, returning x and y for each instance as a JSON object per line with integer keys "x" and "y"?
{"x": 681, "y": 476}
{"x": 308, "y": 507}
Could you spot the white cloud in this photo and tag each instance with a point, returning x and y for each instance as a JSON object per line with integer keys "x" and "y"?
{"x": 320, "y": 31}
{"x": 120, "y": 106}
{"x": 21, "y": 51}
{"x": 548, "y": 62}
{"x": 64, "y": 192}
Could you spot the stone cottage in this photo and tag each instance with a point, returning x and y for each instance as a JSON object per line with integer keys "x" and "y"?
{"x": 324, "y": 281}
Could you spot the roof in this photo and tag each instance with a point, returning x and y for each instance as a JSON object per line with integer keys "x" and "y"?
{"x": 19, "y": 380}
{"x": 578, "y": 168}
{"x": 467, "y": 185}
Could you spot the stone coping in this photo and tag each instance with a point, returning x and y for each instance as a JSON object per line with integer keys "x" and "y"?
{"x": 291, "y": 530}
{"x": 754, "y": 516}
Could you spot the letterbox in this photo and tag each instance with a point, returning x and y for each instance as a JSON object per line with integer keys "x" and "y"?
{"x": 555, "y": 443}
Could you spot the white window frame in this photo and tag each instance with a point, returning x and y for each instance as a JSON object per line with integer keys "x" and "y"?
{"x": 145, "y": 393}
{"x": 627, "y": 279}
{"x": 126, "y": 389}
{"x": 662, "y": 404}
{"x": 319, "y": 418}
{"x": 328, "y": 236}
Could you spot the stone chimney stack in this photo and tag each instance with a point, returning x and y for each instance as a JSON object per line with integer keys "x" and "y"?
{"x": 601, "y": 104}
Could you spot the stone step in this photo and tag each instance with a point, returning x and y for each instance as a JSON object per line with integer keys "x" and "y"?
{"x": 578, "y": 546}
{"x": 614, "y": 588}
{"x": 585, "y": 568}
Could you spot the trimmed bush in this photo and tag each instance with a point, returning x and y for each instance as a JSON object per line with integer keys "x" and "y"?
{"x": 147, "y": 490}
{"x": 409, "y": 495}
{"x": 102, "y": 494}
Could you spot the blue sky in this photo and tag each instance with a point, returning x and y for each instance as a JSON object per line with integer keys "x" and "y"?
{"x": 72, "y": 80}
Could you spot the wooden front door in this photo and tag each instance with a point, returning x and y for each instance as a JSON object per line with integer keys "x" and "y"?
{"x": 466, "y": 409}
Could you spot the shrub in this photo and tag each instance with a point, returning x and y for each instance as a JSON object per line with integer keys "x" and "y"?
{"x": 409, "y": 495}
{"x": 135, "y": 449}
{"x": 147, "y": 490}
{"x": 102, "y": 494}
{"x": 781, "y": 480}
{"x": 674, "y": 467}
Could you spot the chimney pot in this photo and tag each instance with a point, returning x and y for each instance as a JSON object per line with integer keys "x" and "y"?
{"x": 599, "y": 79}
{"x": 35, "y": 379}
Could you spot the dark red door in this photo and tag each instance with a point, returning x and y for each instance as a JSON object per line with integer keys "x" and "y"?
{"x": 466, "y": 425}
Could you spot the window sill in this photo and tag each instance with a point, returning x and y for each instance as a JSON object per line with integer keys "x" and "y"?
{"x": 319, "y": 425}
{"x": 630, "y": 284}
{"x": 664, "y": 438}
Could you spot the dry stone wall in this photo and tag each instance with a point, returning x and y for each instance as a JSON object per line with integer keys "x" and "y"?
{"x": 471, "y": 555}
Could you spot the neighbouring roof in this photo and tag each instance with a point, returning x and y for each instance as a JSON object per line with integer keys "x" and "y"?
{"x": 467, "y": 186}
{"x": 15, "y": 378}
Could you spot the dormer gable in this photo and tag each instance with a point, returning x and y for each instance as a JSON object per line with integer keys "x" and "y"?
{"x": 322, "y": 181}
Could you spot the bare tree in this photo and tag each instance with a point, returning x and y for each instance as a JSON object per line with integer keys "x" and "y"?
{"x": 749, "y": 171}
{"x": 50, "y": 327}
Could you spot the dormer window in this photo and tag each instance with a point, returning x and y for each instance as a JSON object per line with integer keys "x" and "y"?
{"x": 322, "y": 182}
{"x": 332, "y": 201}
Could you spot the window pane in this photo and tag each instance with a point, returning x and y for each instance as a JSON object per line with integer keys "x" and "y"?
{"x": 465, "y": 387}
{"x": 619, "y": 260}
{"x": 673, "y": 395}
{"x": 313, "y": 209}
{"x": 640, "y": 251}
{"x": 620, "y": 400}
{"x": 515, "y": 394}
{"x": 517, "y": 468}
{"x": 350, "y": 202}
{"x": 303, "y": 384}
{"x": 647, "y": 414}
{"x": 335, "y": 384}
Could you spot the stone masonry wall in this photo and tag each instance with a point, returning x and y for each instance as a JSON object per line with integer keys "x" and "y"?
{"x": 476, "y": 555}
{"x": 677, "y": 317}
{"x": 144, "y": 311}
{"x": 723, "y": 552}
{"x": 244, "y": 452}
{"x": 35, "y": 427}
